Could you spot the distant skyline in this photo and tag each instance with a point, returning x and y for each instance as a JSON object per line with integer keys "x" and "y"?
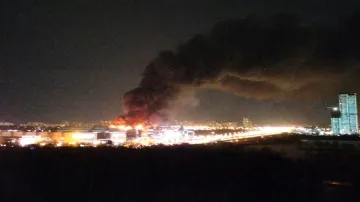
{"x": 66, "y": 60}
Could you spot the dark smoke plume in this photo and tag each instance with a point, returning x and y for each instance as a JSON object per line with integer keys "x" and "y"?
{"x": 277, "y": 58}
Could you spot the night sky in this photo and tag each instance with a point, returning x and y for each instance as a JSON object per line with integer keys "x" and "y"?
{"x": 73, "y": 60}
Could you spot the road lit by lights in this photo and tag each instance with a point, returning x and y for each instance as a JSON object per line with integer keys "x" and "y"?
{"x": 167, "y": 137}
{"x": 174, "y": 139}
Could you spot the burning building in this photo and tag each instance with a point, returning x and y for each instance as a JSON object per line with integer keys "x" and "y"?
{"x": 279, "y": 58}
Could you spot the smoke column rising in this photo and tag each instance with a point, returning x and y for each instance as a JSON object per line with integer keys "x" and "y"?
{"x": 277, "y": 58}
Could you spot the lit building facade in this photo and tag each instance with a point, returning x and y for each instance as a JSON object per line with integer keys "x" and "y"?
{"x": 344, "y": 120}
{"x": 335, "y": 126}
{"x": 349, "y": 118}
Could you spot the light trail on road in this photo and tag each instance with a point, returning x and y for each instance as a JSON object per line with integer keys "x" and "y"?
{"x": 165, "y": 137}
{"x": 176, "y": 139}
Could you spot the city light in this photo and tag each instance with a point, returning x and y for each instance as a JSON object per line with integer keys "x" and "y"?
{"x": 173, "y": 138}
{"x": 141, "y": 135}
{"x": 28, "y": 140}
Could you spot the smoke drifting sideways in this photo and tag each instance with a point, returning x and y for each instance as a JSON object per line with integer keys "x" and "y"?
{"x": 278, "y": 58}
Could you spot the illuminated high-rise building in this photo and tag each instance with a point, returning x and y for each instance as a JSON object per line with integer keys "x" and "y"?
{"x": 335, "y": 120}
{"x": 348, "y": 122}
{"x": 344, "y": 119}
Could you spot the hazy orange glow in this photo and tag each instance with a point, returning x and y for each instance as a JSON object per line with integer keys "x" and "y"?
{"x": 139, "y": 127}
{"x": 121, "y": 124}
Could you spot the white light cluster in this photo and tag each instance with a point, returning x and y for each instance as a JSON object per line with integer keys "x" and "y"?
{"x": 170, "y": 138}
{"x": 165, "y": 137}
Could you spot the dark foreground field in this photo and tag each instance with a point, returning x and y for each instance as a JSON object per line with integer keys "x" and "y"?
{"x": 185, "y": 173}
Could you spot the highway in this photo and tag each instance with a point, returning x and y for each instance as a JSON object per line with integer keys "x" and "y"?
{"x": 173, "y": 138}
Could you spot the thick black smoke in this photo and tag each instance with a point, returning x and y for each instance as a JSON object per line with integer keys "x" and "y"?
{"x": 276, "y": 58}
